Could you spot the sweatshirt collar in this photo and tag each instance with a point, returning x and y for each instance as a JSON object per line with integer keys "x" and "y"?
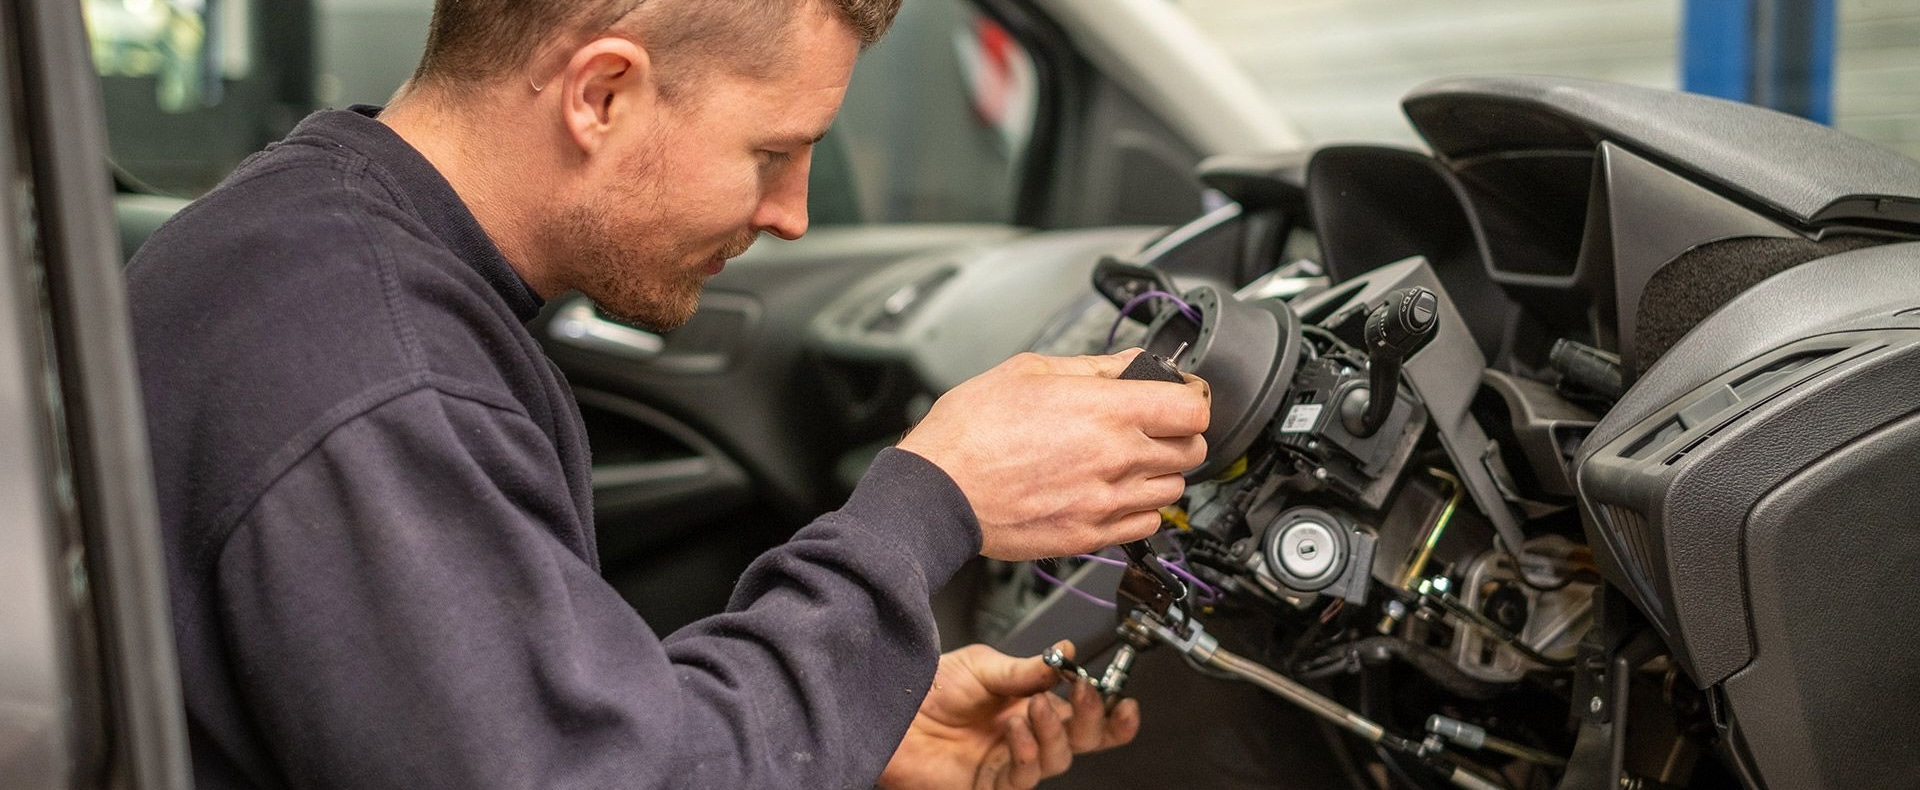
{"x": 428, "y": 197}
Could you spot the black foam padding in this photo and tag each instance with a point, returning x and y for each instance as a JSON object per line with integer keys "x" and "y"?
{"x": 1863, "y": 289}
{"x": 1150, "y": 367}
{"x": 1684, "y": 292}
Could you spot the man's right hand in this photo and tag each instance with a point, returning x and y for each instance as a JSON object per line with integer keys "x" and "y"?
{"x": 1057, "y": 456}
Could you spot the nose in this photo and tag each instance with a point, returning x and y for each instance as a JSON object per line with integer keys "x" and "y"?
{"x": 783, "y": 201}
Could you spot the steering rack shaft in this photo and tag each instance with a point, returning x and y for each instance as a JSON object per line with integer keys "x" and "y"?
{"x": 1292, "y": 691}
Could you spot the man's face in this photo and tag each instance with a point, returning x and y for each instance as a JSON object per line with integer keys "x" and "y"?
{"x": 718, "y": 164}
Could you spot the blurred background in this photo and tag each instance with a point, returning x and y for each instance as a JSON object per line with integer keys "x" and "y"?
{"x": 941, "y": 114}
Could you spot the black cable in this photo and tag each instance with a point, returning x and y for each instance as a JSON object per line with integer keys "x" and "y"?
{"x": 1256, "y": 475}
{"x": 1393, "y": 766}
{"x": 1326, "y": 334}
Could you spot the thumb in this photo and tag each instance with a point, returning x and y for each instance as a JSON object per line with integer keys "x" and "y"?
{"x": 1007, "y": 676}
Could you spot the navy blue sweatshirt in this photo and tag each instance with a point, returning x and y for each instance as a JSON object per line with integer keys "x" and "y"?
{"x": 378, "y": 521}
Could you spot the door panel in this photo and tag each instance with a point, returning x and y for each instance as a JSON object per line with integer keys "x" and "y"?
{"x": 720, "y": 442}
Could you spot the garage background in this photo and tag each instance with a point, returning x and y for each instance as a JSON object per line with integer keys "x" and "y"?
{"x": 1331, "y": 66}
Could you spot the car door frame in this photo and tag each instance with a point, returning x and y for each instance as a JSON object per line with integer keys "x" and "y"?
{"x": 98, "y": 470}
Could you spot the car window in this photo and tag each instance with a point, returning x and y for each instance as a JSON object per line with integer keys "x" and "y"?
{"x": 934, "y": 129}
{"x": 189, "y": 87}
{"x": 937, "y": 121}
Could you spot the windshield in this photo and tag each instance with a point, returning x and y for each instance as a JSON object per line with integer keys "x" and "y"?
{"x": 1338, "y": 68}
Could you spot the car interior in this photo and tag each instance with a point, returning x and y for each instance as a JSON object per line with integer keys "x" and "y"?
{"x": 979, "y": 208}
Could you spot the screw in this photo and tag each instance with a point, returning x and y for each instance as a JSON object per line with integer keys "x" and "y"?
{"x": 1319, "y": 474}
{"x": 1594, "y": 705}
{"x": 1396, "y": 609}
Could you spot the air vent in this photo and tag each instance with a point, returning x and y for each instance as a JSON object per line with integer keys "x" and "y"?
{"x": 901, "y": 302}
{"x": 1710, "y": 405}
{"x": 1753, "y": 383}
{"x": 1638, "y": 551}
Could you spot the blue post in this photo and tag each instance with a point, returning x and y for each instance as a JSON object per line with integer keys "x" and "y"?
{"x": 1773, "y": 53}
{"x": 1716, "y": 48}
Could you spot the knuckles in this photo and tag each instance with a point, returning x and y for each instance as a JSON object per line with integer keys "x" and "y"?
{"x": 1196, "y": 413}
{"x": 1195, "y": 455}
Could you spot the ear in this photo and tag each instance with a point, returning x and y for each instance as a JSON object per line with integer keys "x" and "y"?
{"x": 608, "y": 83}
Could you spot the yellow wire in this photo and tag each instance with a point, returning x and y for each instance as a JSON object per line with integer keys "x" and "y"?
{"x": 1233, "y": 472}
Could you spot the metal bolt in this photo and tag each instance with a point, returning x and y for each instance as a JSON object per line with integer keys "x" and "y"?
{"x": 1319, "y": 474}
{"x": 1594, "y": 705}
{"x": 1396, "y": 609}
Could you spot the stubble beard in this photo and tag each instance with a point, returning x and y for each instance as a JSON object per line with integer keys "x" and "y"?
{"x": 632, "y": 282}
{"x": 635, "y": 273}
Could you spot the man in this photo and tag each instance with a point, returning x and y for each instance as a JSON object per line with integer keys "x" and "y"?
{"x": 375, "y": 489}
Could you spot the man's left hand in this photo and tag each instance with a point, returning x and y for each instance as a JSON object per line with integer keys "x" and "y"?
{"x": 990, "y": 723}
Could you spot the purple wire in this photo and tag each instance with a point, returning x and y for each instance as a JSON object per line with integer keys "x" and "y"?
{"x": 1142, "y": 298}
{"x": 1179, "y": 566}
{"x": 1210, "y": 594}
{"x": 1090, "y": 597}
{"x": 1184, "y": 574}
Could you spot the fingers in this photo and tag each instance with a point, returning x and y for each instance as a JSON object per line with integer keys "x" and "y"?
{"x": 1172, "y": 410}
{"x": 1023, "y": 772}
{"x": 1056, "y": 749}
{"x": 1094, "y": 728}
{"x": 1133, "y": 526}
{"x": 1123, "y": 723}
{"x": 1110, "y": 366}
{"x": 1037, "y": 747}
{"x": 1043, "y": 738}
{"x": 1086, "y": 731}
{"x": 1007, "y": 676}
{"x": 993, "y": 768}
{"x": 1105, "y": 366}
{"x": 1056, "y": 457}
{"x": 1183, "y": 452}
{"x": 1160, "y": 408}
{"x": 1156, "y": 408}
